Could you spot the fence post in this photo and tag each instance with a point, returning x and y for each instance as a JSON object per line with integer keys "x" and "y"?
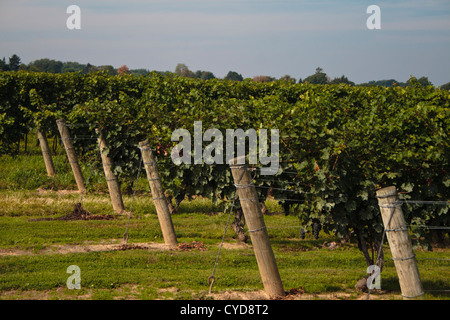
{"x": 399, "y": 243}
{"x": 111, "y": 179}
{"x": 46, "y": 153}
{"x": 159, "y": 199}
{"x": 70, "y": 151}
{"x": 258, "y": 233}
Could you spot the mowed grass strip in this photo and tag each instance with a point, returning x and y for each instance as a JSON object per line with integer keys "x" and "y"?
{"x": 149, "y": 272}
{"x": 175, "y": 274}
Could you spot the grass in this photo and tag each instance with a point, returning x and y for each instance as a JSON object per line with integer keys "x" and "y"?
{"x": 37, "y": 272}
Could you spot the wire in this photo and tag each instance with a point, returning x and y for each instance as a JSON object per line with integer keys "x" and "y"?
{"x": 211, "y": 278}
{"x": 125, "y": 234}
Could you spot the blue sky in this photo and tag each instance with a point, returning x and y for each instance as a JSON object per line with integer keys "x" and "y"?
{"x": 251, "y": 37}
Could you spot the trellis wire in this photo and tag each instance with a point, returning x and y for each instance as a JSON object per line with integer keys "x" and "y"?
{"x": 125, "y": 234}
{"x": 211, "y": 278}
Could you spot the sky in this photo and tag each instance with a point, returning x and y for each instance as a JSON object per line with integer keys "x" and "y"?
{"x": 251, "y": 37}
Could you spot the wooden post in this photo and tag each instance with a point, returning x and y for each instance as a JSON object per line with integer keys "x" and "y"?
{"x": 70, "y": 151}
{"x": 46, "y": 153}
{"x": 400, "y": 243}
{"x": 159, "y": 199}
{"x": 257, "y": 229}
{"x": 111, "y": 179}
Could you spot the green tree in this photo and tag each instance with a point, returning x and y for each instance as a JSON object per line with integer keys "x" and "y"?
{"x": 446, "y": 86}
{"x": 14, "y": 62}
{"x": 72, "y": 67}
{"x": 234, "y": 76}
{"x": 317, "y": 78}
{"x": 423, "y": 81}
{"x": 3, "y": 65}
{"x": 90, "y": 68}
{"x": 45, "y": 65}
{"x": 342, "y": 79}
{"x": 204, "y": 75}
{"x": 383, "y": 83}
{"x": 139, "y": 72}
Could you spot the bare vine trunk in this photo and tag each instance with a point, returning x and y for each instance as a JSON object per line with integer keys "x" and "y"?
{"x": 238, "y": 225}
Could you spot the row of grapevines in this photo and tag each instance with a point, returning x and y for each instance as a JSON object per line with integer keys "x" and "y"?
{"x": 338, "y": 143}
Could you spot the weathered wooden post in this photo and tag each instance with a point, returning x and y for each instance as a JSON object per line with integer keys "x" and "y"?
{"x": 46, "y": 153}
{"x": 258, "y": 233}
{"x": 400, "y": 243}
{"x": 70, "y": 151}
{"x": 111, "y": 179}
{"x": 159, "y": 199}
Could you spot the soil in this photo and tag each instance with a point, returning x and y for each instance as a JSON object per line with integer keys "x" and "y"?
{"x": 296, "y": 294}
{"x": 78, "y": 213}
{"x": 114, "y": 245}
{"x": 190, "y": 246}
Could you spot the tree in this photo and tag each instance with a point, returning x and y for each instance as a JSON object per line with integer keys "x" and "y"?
{"x": 317, "y": 78}
{"x": 14, "y": 62}
{"x": 45, "y": 65}
{"x": 263, "y": 79}
{"x": 383, "y": 83}
{"x": 72, "y": 67}
{"x": 123, "y": 70}
{"x": 446, "y": 86}
{"x": 342, "y": 79}
{"x": 183, "y": 71}
{"x": 234, "y": 76}
{"x": 110, "y": 70}
{"x": 139, "y": 72}
{"x": 288, "y": 78}
{"x": 204, "y": 75}
{"x": 423, "y": 81}
{"x": 3, "y": 65}
{"x": 90, "y": 68}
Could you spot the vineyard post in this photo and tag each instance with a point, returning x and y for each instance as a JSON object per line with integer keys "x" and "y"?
{"x": 70, "y": 151}
{"x": 159, "y": 199}
{"x": 258, "y": 233}
{"x": 111, "y": 179}
{"x": 399, "y": 243}
{"x": 46, "y": 153}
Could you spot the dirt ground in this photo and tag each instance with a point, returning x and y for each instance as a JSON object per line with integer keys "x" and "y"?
{"x": 117, "y": 245}
{"x": 131, "y": 292}
{"x": 114, "y": 245}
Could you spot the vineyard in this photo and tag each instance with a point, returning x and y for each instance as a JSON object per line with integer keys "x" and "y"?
{"x": 338, "y": 144}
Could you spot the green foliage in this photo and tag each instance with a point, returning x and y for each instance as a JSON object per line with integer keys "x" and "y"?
{"x": 317, "y": 78}
{"x": 343, "y": 142}
{"x": 233, "y": 75}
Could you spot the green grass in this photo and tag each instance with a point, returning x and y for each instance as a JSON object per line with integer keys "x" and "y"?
{"x": 40, "y": 273}
{"x": 143, "y": 274}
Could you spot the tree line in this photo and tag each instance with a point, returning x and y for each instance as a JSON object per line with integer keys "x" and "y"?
{"x": 319, "y": 77}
